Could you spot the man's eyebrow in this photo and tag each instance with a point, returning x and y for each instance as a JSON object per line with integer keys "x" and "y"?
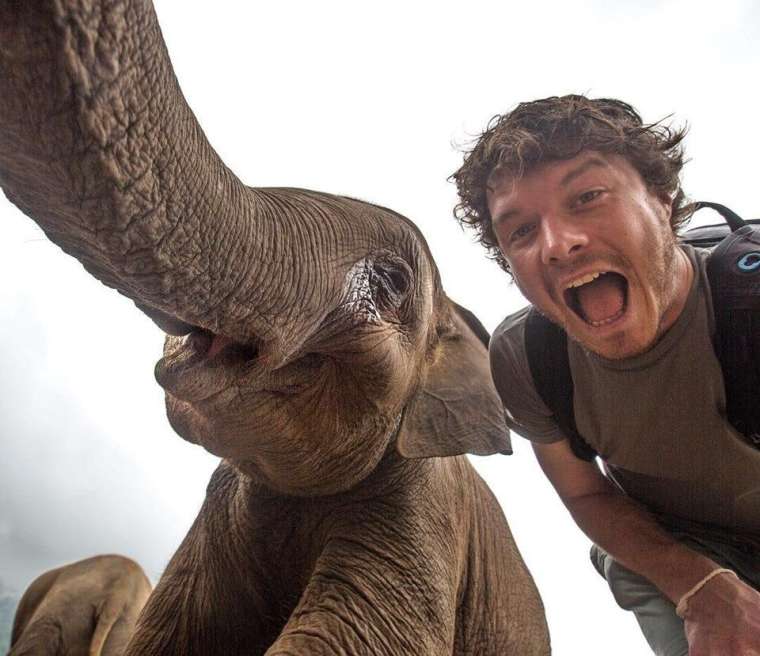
{"x": 581, "y": 169}
{"x": 504, "y": 216}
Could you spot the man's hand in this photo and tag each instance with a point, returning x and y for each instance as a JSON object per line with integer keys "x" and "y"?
{"x": 723, "y": 619}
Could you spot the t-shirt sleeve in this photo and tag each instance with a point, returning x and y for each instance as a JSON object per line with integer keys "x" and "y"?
{"x": 525, "y": 412}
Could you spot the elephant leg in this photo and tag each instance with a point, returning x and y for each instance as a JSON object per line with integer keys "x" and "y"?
{"x": 30, "y": 601}
{"x": 90, "y": 606}
{"x": 370, "y": 599}
{"x": 502, "y": 606}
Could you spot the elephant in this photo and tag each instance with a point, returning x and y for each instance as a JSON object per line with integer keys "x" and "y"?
{"x": 310, "y": 345}
{"x": 99, "y": 600}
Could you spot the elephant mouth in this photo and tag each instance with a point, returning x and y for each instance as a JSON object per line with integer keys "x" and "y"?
{"x": 202, "y": 364}
{"x": 208, "y": 345}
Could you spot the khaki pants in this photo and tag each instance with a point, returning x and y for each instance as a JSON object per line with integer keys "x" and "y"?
{"x": 656, "y": 615}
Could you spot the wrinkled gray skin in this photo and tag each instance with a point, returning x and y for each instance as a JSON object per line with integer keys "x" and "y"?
{"x": 90, "y": 607}
{"x": 324, "y": 363}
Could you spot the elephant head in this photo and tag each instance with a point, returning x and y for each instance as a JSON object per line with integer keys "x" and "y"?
{"x": 309, "y": 334}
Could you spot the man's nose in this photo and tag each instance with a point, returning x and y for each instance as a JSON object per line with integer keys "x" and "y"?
{"x": 562, "y": 239}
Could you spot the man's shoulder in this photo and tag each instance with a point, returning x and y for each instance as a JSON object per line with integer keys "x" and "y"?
{"x": 506, "y": 348}
{"x": 512, "y": 327}
{"x": 526, "y": 413}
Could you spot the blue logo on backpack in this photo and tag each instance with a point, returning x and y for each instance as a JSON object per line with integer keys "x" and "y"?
{"x": 749, "y": 262}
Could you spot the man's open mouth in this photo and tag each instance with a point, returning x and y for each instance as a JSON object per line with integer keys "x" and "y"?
{"x": 599, "y": 298}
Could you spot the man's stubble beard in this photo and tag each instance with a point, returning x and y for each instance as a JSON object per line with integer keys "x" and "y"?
{"x": 666, "y": 277}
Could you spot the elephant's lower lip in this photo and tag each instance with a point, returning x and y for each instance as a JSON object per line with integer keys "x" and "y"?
{"x": 188, "y": 376}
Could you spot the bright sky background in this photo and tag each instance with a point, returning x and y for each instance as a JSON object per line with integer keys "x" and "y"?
{"x": 365, "y": 100}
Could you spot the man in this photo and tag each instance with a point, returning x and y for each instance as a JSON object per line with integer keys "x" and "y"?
{"x": 580, "y": 202}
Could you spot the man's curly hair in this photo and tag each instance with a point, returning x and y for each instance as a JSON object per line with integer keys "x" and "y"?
{"x": 559, "y": 128}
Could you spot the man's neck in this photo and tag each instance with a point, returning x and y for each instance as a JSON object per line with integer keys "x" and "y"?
{"x": 683, "y": 276}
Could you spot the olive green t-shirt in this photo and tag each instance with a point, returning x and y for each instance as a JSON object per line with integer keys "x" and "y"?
{"x": 657, "y": 420}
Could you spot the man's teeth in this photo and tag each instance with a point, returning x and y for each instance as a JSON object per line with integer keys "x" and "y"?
{"x": 608, "y": 320}
{"x": 584, "y": 280}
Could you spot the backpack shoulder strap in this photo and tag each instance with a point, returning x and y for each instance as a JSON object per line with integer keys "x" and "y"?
{"x": 546, "y": 348}
{"x": 733, "y": 271}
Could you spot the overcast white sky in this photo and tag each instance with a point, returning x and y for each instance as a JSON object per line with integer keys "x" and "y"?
{"x": 364, "y": 100}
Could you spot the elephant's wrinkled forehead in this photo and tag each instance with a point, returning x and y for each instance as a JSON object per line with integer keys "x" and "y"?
{"x": 408, "y": 238}
{"x": 336, "y": 229}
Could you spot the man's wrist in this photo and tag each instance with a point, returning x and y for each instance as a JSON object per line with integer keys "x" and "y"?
{"x": 678, "y": 569}
{"x": 683, "y": 603}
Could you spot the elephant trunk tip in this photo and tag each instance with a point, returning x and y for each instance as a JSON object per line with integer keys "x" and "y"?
{"x": 169, "y": 324}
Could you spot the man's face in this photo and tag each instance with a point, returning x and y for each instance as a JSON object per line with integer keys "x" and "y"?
{"x": 591, "y": 247}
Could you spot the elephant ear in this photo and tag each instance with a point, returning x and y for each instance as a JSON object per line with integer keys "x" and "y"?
{"x": 457, "y": 410}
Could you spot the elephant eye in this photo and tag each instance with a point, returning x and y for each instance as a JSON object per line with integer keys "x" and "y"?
{"x": 395, "y": 281}
{"x": 392, "y": 280}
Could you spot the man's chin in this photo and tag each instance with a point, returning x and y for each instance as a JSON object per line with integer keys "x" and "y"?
{"x": 613, "y": 341}
{"x": 614, "y": 345}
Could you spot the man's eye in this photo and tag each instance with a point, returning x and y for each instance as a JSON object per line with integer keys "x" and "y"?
{"x": 521, "y": 231}
{"x": 588, "y": 196}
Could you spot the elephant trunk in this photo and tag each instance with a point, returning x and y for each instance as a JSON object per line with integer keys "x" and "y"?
{"x": 99, "y": 147}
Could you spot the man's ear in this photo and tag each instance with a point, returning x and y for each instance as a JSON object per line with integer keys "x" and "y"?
{"x": 457, "y": 410}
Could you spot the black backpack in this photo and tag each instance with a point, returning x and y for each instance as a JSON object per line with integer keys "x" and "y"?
{"x": 733, "y": 270}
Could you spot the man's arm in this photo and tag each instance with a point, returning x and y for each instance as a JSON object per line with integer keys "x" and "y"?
{"x": 723, "y": 617}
